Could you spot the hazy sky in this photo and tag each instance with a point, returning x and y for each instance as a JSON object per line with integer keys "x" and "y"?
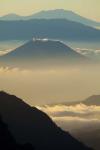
{"x": 51, "y": 85}
{"x": 87, "y": 8}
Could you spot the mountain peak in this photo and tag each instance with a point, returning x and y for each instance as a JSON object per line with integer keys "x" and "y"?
{"x": 11, "y": 16}
{"x": 43, "y": 52}
{"x": 94, "y": 97}
{"x": 55, "y": 11}
{"x": 45, "y": 40}
{"x": 47, "y": 45}
{"x": 40, "y": 40}
{"x": 93, "y": 100}
{"x": 53, "y": 14}
{"x": 3, "y": 93}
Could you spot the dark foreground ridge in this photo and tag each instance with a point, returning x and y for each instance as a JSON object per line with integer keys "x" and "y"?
{"x": 30, "y": 125}
{"x": 7, "y": 141}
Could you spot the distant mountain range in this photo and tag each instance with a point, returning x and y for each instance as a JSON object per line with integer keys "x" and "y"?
{"x": 42, "y": 28}
{"x": 44, "y": 51}
{"x": 29, "y": 125}
{"x": 11, "y": 17}
{"x": 53, "y": 14}
{"x": 92, "y": 100}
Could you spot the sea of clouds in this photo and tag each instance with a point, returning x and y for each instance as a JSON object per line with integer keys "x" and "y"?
{"x": 75, "y": 116}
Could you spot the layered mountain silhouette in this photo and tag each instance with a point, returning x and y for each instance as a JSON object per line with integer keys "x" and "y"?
{"x": 29, "y": 125}
{"x": 7, "y": 141}
{"x": 39, "y": 51}
{"x": 47, "y": 28}
{"x": 53, "y": 14}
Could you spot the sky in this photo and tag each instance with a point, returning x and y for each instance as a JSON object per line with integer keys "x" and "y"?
{"x": 51, "y": 85}
{"x": 86, "y": 8}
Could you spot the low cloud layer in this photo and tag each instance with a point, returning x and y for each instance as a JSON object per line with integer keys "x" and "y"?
{"x": 89, "y": 52}
{"x": 74, "y": 117}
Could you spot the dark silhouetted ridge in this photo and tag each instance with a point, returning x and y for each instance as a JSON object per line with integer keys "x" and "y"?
{"x": 30, "y": 125}
{"x": 7, "y": 141}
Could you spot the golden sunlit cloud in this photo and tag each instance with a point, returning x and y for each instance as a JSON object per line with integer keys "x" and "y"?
{"x": 74, "y": 117}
